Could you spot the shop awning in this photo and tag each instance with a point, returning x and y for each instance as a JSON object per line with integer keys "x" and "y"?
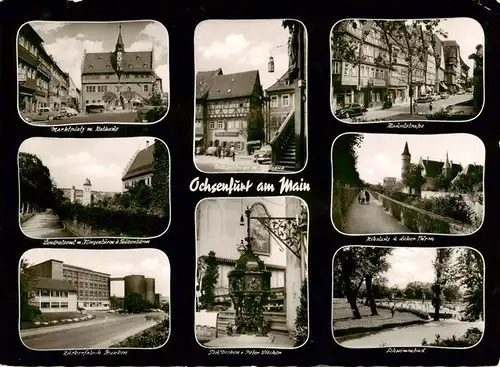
{"x": 442, "y": 85}
{"x": 198, "y": 138}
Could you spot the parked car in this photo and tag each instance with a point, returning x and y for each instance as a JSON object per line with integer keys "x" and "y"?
{"x": 69, "y": 111}
{"x": 95, "y": 108}
{"x": 460, "y": 91}
{"x": 199, "y": 150}
{"x": 211, "y": 151}
{"x": 444, "y": 95}
{"x": 424, "y": 98}
{"x": 435, "y": 96}
{"x": 263, "y": 154}
{"x": 350, "y": 110}
{"x": 42, "y": 114}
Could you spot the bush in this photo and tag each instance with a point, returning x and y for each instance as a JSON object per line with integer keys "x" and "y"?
{"x": 422, "y": 314}
{"x": 151, "y": 114}
{"x": 30, "y": 313}
{"x": 471, "y": 337}
{"x": 452, "y": 206}
{"x": 301, "y": 325}
{"x": 137, "y": 223}
{"x": 342, "y": 199}
{"x": 154, "y": 337}
{"x": 445, "y": 114}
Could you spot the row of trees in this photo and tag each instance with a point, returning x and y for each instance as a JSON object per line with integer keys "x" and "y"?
{"x": 407, "y": 47}
{"x": 135, "y": 303}
{"x": 454, "y": 271}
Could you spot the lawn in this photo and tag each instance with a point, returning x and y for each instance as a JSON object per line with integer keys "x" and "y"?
{"x": 344, "y": 324}
{"x": 52, "y": 316}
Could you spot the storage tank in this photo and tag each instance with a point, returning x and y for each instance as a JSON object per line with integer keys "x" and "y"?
{"x": 150, "y": 290}
{"x": 135, "y": 284}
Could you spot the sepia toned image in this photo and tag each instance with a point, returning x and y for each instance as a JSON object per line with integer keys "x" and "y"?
{"x": 92, "y": 72}
{"x": 407, "y": 70}
{"x": 104, "y": 187}
{"x": 251, "y": 289}
{"x": 86, "y": 299}
{"x": 395, "y": 183}
{"x": 408, "y": 297}
{"x": 251, "y": 109}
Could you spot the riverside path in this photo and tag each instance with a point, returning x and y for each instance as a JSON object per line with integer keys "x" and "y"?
{"x": 44, "y": 225}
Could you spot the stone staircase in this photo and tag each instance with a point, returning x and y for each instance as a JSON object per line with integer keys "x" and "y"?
{"x": 277, "y": 319}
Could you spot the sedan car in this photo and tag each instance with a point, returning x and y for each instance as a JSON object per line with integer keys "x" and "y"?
{"x": 211, "y": 151}
{"x": 350, "y": 110}
{"x": 444, "y": 95}
{"x": 69, "y": 111}
{"x": 42, "y": 114}
{"x": 263, "y": 154}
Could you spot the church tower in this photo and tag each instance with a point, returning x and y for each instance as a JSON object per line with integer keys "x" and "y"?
{"x": 405, "y": 162}
{"x": 447, "y": 167}
{"x": 120, "y": 46}
{"x": 87, "y": 192}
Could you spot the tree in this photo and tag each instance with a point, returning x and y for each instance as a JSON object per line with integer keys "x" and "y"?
{"x": 345, "y": 159}
{"x": 26, "y": 283}
{"x": 414, "y": 179}
{"x": 133, "y": 303}
{"x": 166, "y": 307}
{"x": 418, "y": 290}
{"x": 209, "y": 281}
{"x": 442, "y": 276}
{"x": 301, "y": 323}
{"x": 109, "y": 97}
{"x": 451, "y": 293}
{"x": 155, "y": 100}
{"x": 255, "y": 127}
{"x": 443, "y": 182}
{"x": 35, "y": 182}
{"x": 469, "y": 271}
{"x": 351, "y": 276}
{"x": 468, "y": 183}
{"x": 374, "y": 262}
{"x": 161, "y": 179}
{"x": 407, "y": 46}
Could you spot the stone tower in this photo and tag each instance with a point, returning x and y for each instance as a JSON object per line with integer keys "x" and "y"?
{"x": 405, "y": 162}
{"x": 72, "y": 197}
{"x": 87, "y": 192}
{"x": 447, "y": 167}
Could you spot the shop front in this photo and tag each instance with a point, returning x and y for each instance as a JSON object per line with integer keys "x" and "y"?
{"x": 227, "y": 139}
{"x": 375, "y": 93}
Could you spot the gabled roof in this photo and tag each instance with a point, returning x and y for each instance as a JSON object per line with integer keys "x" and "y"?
{"x": 450, "y": 43}
{"x": 223, "y": 86}
{"x": 133, "y": 62}
{"x": 142, "y": 164}
{"x": 53, "y": 284}
{"x": 281, "y": 84}
{"x": 432, "y": 168}
{"x": 406, "y": 151}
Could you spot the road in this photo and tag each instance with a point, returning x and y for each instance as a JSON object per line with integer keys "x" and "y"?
{"x": 102, "y": 332}
{"x": 423, "y": 108}
{"x": 411, "y": 336}
{"x": 108, "y": 117}
{"x": 240, "y": 164}
{"x": 371, "y": 219}
{"x": 44, "y": 225}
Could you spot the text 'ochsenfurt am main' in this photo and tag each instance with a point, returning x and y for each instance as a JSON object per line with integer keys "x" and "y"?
{"x": 234, "y": 185}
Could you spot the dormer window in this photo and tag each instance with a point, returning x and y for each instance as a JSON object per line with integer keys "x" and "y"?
{"x": 130, "y": 65}
{"x": 107, "y": 66}
{"x": 91, "y": 66}
{"x": 229, "y": 90}
{"x": 137, "y": 57}
{"x": 287, "y": 82}
{"x": 99, "y": 58}
{"x": 145, "y": 65}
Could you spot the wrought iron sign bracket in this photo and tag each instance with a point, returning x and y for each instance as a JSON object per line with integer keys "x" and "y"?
{"x": 285, "y": 230}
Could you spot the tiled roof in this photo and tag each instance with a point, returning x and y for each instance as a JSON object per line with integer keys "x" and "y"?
{"x": 406, "y": 151}
{"x": 142, "y": 164}
{"x": 432, "y": 168}
{"x": 204, "y": 80}
{"x": 281, "y": 84}
{"x": 53, "y": 284}
{"x": 223, "y": 86}
{"x": 450, "y": 43}
{"x": 133, "y": 62}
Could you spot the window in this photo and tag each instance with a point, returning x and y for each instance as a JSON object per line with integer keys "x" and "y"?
{"x": 145, "y": 65}
{"x": 220, "y": 125}
{"x": 45, "y": 305}
{"x": 45, "y": 293}
{"x": 274, "y": 101}
{"x": 130, "y": 65}
{"x": 212, "y": 125}
{"x": 64, "y": 304}
{"x": 55, "y": 294}
{"x": 107, "y": 77}
{"x": 238, "y": 145}
{"x": 285, "y": 100}
{"x": 54, "y": 305}
{"x": 146, "y": 88}
{"x": 87, "y": 101}
{"x": 336, "y": 67}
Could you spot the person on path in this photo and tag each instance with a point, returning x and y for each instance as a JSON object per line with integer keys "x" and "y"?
{"x": 430, "y": 106}
{"x": 367, "y": 197}
{"x": 393, "y": 310}
{"x": 232, "y": 152}
{"x": 219, "y": 151}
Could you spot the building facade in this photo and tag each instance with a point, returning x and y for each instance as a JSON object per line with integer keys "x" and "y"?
{"x": 54, "y": 295}
{"x": 41, "y": 81}
{"x": 453, "y": 68}
{"x": 389, "y": 182}
{"x": 74, "y": 96}
{"x": 92, "y": 287}
{"x": 140, "y": 167}
{"x": 228, "y": 109}
{"x": 280, "y": 103}
{"x": 85, "y": 195}
{"x": 118, "y": 79}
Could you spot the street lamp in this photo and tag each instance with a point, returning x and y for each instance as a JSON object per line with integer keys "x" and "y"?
{"x": 270, "y": 64}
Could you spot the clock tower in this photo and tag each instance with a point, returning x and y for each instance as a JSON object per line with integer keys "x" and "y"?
{"x": 119, "y": 51}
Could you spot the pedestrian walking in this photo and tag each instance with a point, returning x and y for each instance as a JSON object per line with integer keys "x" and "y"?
{"x": 367, "y": 197}
{"x": 219, "y": 151}
{"x": 430, "y": 107}
{"x": 232, "y": 152}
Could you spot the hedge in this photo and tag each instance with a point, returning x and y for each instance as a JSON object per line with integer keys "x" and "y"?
{"x": 154, "y": 337}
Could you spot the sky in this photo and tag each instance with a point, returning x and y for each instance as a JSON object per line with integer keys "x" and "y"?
{"x": 66, "y": 42}
{"x": 151, "y": 263}
{"x": 467, "y": 32}
{"x": 379, "y": 155}
{"x": 71, "y": 161}
{"x": 242, "y": 45}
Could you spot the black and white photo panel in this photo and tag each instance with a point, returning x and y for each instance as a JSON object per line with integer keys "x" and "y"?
{"x": 74, "y": 299}
{"x": 251, "y": 273}
{"x": 251, "y": 89}
{"x": 407, "y": 70}
{"x": 73, "y": 73}
{"x": 402, "y": 297}
{"x": 94, "y": 188}
{"x": 403, "y": 184}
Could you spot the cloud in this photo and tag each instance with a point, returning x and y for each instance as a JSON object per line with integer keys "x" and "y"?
{"x": 44, "y": 27}
{"x": 163, "y": 72}
{"x": 257, "y": 55}
{"x": 68, "y": 53}
{"x": 233, "y": 44}
{"x": 157, "y": 39}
